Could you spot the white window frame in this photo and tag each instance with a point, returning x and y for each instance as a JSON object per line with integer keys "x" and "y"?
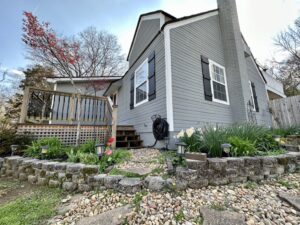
{"x": 147, "y": 84}
{"x": 211, "y": 63}
{"x": 252, "y": 97}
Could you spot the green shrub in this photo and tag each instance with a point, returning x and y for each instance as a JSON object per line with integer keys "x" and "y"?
{"x": 88, "y": 158}
{"x": 266, "y": 143}
{"x": 192, "y": 138}
{"x": 72, "y": 155}
{"x": 241, "y": 147}
{"x": 283, "y": 132}
{"x": 55, "y": 149}
{"x": 9, "y": 136}
{"x": 118, "y": 156}
{"x": 212, "y": 138}
{"x": 209, "y": 140}
{"x": 88, "y": 147}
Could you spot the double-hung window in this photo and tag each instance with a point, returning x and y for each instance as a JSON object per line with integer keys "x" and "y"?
{"x": 218, "y": 83}
{"x": 141, "y": 84}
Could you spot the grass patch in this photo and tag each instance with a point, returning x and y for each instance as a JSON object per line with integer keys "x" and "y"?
{"x": 287, "y": 184}
{"x": 157, "y": 170}
{"x": 179, "y": 217}
{"x": 116, "y": 171}
{"x": 138, "y": 199}
{"x": 198, "y": 220}
{"x": 218, "y": 206}
{"x": 31, "y": 209}
{"x": 250, "y": 185}
{"x": 271, "y": 153}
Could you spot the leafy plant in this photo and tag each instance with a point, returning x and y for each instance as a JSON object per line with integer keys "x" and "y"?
{"x": 87, "y": 147}
{"x": 55, "y": 149}
{"x": 9, "y": 136}
{"x": 212, "y": 139}
{"x": 266, "y": 143}
{"x": 72, "y": 155}
{"x": 283, "y": 132}
{"x": 118, "y": 156}
{"x": 191, "y": 138}
{"x": 241, "y": 147}
{"x": 88, "y": 158}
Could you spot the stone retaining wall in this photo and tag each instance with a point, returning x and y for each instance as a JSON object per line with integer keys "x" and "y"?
{"x": 218, "y": 171}
{"x": 214, "y": 171}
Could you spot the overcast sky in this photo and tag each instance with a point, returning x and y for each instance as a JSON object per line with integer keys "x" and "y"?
{"x": 260, "y": 21}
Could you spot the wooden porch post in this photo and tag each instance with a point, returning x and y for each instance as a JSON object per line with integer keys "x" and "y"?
{"x": 114, "y": 125}
{"x": 24, "y": 107}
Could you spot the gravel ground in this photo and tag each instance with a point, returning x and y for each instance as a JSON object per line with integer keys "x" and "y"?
{"x": 144, "y": 158}
{"x": 258, "y": 202}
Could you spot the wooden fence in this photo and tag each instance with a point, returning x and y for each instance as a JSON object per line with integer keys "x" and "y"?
{"x": 285, "y": 111}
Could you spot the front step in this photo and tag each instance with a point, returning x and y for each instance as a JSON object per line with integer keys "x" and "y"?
{"x": 127, "y": 137}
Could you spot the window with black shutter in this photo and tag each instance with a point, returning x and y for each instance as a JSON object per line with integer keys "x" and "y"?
{"x": 151, "y": 77}
{"x": 132, "y": 91}
{"x": 206, "y": 78}
{"x": 254, "y": 97}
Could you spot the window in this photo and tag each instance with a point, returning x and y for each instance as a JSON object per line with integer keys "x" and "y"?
{"x": 141, "y": 84}
{"x": 252, "y": 102}
{"x": 218, "y": 83}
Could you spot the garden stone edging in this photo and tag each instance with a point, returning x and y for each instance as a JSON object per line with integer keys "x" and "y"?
{"x": 212, "y": 171}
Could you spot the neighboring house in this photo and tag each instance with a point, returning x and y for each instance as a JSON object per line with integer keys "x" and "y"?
{"x": 194, "y": 71}
{"x": 273, "y": 86}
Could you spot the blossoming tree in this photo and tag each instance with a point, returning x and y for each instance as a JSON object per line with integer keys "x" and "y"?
{"x": 90, "y": 53}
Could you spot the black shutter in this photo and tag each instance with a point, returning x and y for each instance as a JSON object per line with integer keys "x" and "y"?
{"x": 206, "y": 78}
{"x": 132, "y": 91}
{"x": 255, "y": 97}
{"x": 151, "y": 77}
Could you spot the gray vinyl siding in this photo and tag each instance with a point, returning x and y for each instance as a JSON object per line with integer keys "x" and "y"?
{"x": 188, "y": 43}
{"x": 148, "y": 29}
{"x": 140, "y": 116}
{"x": 263, "y": 117}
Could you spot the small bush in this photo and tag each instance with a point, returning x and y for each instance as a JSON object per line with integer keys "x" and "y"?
{"x": 55, "y": 149}
{"x": 88, "y": 158}
{"x": 118, "y": 156}
{"x": 266, "y": 143}
{"x": 9, "y": 136}
{"x": 241, "y": 147}
{"x": 283, "y": 132}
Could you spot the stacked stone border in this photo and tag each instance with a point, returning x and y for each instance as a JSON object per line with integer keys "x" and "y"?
{"x": 200, "y": 173}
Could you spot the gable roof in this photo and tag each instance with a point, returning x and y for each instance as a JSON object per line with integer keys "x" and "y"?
{"x": 139, "y": 21}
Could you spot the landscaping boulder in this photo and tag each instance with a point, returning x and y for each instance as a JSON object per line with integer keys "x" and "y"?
{"x": 112, "y": 217}
{"x": 89, "y": 170}
{"x": 112, "y": 181}
{"x": 54, "y": 183}
{"x": 217, "y": 217}
{"x": 130, "y": 185}
{"x": 69, "y": 186}
{"x": 155, "y": 183}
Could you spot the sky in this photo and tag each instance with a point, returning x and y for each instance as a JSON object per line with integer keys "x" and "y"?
{"x": 260, "y": 21}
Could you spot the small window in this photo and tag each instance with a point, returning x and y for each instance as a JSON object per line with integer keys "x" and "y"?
{"x": 141, "y": 84}
{"x": 218, "y": 83}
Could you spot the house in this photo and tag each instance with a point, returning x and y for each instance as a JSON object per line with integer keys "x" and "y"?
{"x": 194, "y": 71}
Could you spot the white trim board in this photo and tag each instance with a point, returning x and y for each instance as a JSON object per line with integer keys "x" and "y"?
{"x": 168, "y": 63}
